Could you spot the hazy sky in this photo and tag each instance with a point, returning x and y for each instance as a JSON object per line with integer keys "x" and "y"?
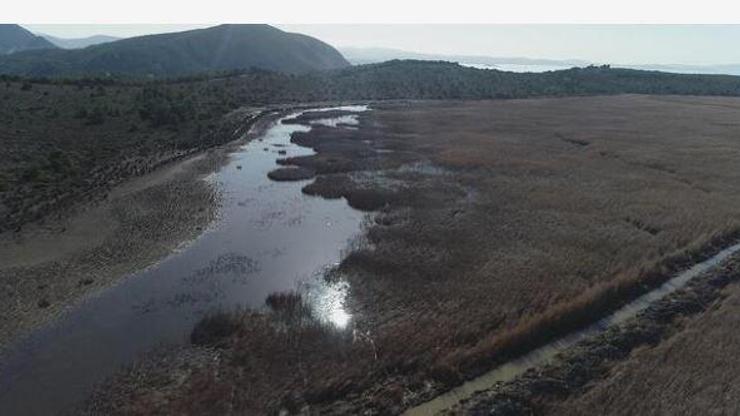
{"x": 624, "y": 44}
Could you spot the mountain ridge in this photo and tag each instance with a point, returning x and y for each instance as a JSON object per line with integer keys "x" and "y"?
{"x": 218, "y": 48}
{"x": 14, "y": 39}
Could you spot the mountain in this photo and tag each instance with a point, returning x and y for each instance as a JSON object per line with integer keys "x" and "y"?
{"x": 219, "y": 48}
{"x": 14, "y": 38}
{"x": 79, "y": 43}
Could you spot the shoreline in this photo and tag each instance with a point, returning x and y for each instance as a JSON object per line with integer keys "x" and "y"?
{"x": 60, "y": 263}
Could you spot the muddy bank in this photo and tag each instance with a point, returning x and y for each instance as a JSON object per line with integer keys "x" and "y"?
{"x": 49, "y": 267}
{"x": 124, "y": 233}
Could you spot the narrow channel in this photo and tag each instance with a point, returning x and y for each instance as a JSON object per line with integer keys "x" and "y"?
{"x": 547, "y": 353}
{"x": 265, "y": 240}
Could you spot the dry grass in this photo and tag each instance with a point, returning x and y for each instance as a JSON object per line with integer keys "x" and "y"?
{"x": 558, "y": 387}
{"x": 547, "y": 234}
{"x": 582, "y": 310}
{"x": 691, "y": 373}
{"x": 267, "y": 363}
{"x": 213, "y": 329}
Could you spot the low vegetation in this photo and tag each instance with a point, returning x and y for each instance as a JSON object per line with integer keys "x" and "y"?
{"x": 291, "y": 174}
{"x": 70, "y": 140}
{"x": 604, "y": 374}
{"x": 271, "y": 362}
{"x": 213, "y": 329}
{"x": 501, "y": 222}
{"x": 70, "y": 143}
{"x": 499, "y": 225}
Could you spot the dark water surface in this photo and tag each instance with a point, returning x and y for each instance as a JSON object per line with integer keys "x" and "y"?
{"x": 268, "y": 237}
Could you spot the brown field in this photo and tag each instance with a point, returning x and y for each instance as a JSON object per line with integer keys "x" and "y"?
{"x": 500, "y": 225}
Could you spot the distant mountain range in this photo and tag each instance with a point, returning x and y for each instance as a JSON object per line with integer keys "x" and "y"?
{"x": 14, "y": 38}
{"x": 79, "y": 43}
{"x": 360, "y": 56}
{"x": 228, "y": 47}
{"x": 219, "y": 48}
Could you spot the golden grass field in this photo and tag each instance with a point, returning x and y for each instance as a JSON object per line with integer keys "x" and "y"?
{"x": 564, "y": 196}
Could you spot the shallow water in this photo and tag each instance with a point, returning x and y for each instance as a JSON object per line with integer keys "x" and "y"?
{"x": 268, "y": 237}
{"x": 547, "y": 353}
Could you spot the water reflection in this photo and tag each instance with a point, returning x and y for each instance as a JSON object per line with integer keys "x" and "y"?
{"x": 264, "y": 240}
{"x": 341, "y": 121}
{"x": 327, "y": 300}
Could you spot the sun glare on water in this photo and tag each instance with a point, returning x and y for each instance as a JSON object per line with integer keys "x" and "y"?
{"x": 329, "y": 304}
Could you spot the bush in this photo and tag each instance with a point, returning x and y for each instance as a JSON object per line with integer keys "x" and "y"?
{"x": 214, "y": 329}
{"x": 95, "y": 117}
{"x": 81, "y": 113}
{"x": 159, "y": 107}
{"x": 283, "y": 301}
{"x": 290, "y": 174}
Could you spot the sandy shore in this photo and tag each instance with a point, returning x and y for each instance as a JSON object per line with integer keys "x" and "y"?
{"x": 48, "y": 268}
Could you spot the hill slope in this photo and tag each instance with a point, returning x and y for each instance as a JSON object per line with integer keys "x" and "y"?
{"x": 218, "y": 48}
{"x": 14, "y": 38}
